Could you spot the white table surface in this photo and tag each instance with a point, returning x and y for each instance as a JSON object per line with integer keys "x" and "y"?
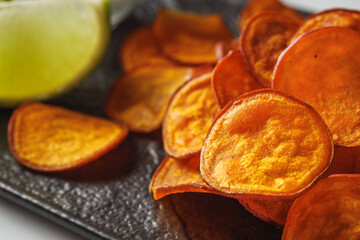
{"x": 17, "y": 223}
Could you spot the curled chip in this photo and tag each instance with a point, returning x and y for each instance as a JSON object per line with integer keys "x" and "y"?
{"x": 190, "y": 38}
{"x": 189, "y": 116}
{"x": 330, "y": 18}
{"x": 330, "y": 210}
{"x": 140, "y": 48}
{"x": 264, "y": 37}
{"x": 48, "y": 138}
{"x": 140, "y": 97}
{"x": 271, "y": 211}
{"x": 174, "y": 176}
{"x": 179, "y": 176}
{"x": 254, "y": 7}
{"x": 322, "y": 68}
{"x": 266, "y": 143}
{"x": 230, "y": 78}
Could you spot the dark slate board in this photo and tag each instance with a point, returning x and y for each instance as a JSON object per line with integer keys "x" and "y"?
{"x": 109, "y": 198}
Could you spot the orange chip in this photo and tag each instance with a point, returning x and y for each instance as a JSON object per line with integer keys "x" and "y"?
{"x": 271, "y": 211}
{"x": 140, "y": 97}
{"x": 330, "y": 18}
{"x": 266, "y": 143}
{"x": 179, "y": 176}
{"x": 48, "y": 138}
{"x": 140, "y": 48}
{"x": 264, "y": 37}
{"x": 173, "y": 176}
{"x": 330, "y": 210}
{"x": 322, "y": 68}
{"x": 189, "y": 117}
{"x": 254, "y": 7}
{"x": 190, "y": 38}
{"x": 230, "y": 78}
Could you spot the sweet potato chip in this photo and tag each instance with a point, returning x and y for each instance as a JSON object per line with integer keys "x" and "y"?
{"x": 174, "y": 176}
{"x": 179, "y": 176}
{"x": 266, "y": 143}
{"x": 48, "y": 138}
{"x": 230, "y": 78}
{"x": 190, "y": 38}
{"x": 264, "y": 37}
{"x": 140, "y": 48}
{"x": 271, "y": 211}
{"x": 330, "y": 210}
{"x": 189, "y": 116}
{"x": 140, "y": 97}
{"x": 322, "y": 68}
{"x": 330, "y": 18}
{"x": 254, "y": 7}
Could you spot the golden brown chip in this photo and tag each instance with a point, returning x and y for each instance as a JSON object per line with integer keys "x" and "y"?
{"x": 330, "y": 210}
{"x": 266, "y": 143}
{"x": 174, "y": 176}
{"x": 140, "y": 97}
{"x": 322, "y": 68}
{"x": 190, "y": 38}
{"x": 330, "y": 18}
{"x": 140, "y": 48}
{"x": 189, "y": 117}
{"x": 49, "y": 138}
{"x": 254, "y": 7}
{"x": 264, "y": 37}
{"x": 230, "y": 78}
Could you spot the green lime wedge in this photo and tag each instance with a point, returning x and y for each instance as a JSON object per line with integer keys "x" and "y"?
{"x": 48, "y": 46}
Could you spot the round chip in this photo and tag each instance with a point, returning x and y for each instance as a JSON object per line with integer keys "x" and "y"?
{"x": 264, "y": 37}
{"x": 140, "y": 48}
{"x": 254, "y": 7}
{"x": 330, "y": 210}
{"x": 322, "y": 68}
{"x": 330, "y": 18}
{"x": 140, "y": 97}
{"x": 190, "y": 38}
{"x": 189, "y": 117}
{"x": 266, "y": 143}
{"x": 230, "y": 78}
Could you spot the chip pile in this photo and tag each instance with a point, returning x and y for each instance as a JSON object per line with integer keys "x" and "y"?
{"x": 266, "y": 115}
{"x": 265, "y": 118}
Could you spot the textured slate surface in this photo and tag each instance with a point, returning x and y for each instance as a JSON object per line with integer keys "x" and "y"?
{"x": 109, "y": 198}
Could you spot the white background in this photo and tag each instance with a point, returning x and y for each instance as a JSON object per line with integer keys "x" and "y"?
{"x": 17, "y": 223}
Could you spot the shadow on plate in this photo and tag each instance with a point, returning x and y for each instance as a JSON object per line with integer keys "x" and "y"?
{"x": 208, "y": 216}
{"x": 113, "y": 165}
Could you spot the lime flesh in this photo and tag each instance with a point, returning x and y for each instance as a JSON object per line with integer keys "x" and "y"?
{"x": 47, "y": 46}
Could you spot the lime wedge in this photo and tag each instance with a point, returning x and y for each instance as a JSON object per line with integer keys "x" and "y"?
{"x": 47, "y": 46}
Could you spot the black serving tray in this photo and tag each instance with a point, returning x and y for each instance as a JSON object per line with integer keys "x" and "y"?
{"x": 109, "y": 198}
